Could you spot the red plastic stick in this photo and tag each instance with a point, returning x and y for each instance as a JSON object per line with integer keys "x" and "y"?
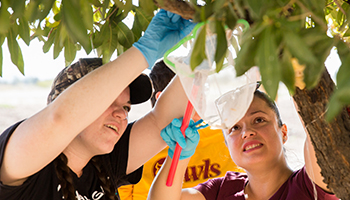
{"x": 177, "y": 152}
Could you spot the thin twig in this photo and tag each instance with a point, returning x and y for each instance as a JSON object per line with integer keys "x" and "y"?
{"x": 339, "y": 6}
{"x": 314, "y": 17}
{"x": 298, "y": 17}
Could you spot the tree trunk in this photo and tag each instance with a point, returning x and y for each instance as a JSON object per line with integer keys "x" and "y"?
{"x": 330, "y": 140}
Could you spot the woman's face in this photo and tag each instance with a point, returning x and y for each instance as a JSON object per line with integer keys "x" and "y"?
{"x": 256, "y": 138}
{"x": 101, "y": 136}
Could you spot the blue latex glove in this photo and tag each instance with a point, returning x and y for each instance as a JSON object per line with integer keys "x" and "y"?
{"x": 164, "y": 31}
{"x": 172, "y": 135}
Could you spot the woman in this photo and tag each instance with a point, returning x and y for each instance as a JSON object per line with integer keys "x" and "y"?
{"x": 80, "y": 146}
{"x": 255, "y": 144}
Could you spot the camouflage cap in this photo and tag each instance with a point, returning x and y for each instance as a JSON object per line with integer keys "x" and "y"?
{"x": 140, "y": 89}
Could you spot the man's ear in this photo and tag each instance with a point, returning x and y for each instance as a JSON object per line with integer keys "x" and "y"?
{"x": 157, "y": 94}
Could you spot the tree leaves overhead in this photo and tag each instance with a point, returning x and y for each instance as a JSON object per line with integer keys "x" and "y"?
{"x": 69, "y": 24}
{"x": 279, "y": 31}
{"x": 341, "y": 96}
{"x": 125, "y": 35}
{"x": 221, "y": 47}
{"x": 298, "y": 48}
{"x": 15, "y": 50}
{"x": 198, "y": 54}
{"x": 1, "y": 56}
{"x": 71, "y": 19}
{"x": 287, "y": 71}
{"x": 267, "y": 61}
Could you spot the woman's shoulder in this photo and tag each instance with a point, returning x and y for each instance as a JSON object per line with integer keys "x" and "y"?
{"x": 232, "y": 184}
{"x": 234, "y": 180}
{"x": 300, "y": 186}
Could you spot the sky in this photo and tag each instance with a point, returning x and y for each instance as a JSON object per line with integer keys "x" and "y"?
{"x": 36, "y": 63}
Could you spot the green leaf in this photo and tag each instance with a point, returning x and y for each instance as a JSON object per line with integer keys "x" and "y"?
{"x": 105, "y": 6}
{"x": 334, "y": 108}
{"x": 344, "y": 70}
{"x": 231, "y": 17}
{"x": 218, "y": 5}
{"x": 2, "y": 39}
{"x": 141, "y": 21}
{"x": 15, "y": 51}
{"x": 339, "y": 99}
{"x": 69, "y": 51}
{"x": 245, "y": 57}
{"x": 1, "y": 60}
{"x": 31, "y": 10}
{"x": 116, "y": 15}
{"x": 268, "y": 62}
{"x": 239, "y": 9}
{"x": 18, "y": 8}
{"x": 71, "y": 19}
{"x": 148, "y": 6}
{"x": 57, "y": 17}
{"x": 109, "y": 48}
{"x": 347, "y": 33}
{"x": 321, "y": 50}
{"x": 312, "y": 36}
{"x": 58, "y": 44}
{"x": 86, "y": 11}
{"x": 47, "y": 45}
{"x": 44, "y": 9}
{"x": 125, "y": 35}
{"x": 340, "y": 18}
{"x": 256, "y": 6}
{"x": 298, "y": 48}
{"x": 287, "y": 71}
{"x": 99, "y": 37}
{"x": 4, "y": 19}
{"x": 96, "y": 3}
{"x": 24, "y": 30}
{"x": 120, "y": 49}
{"x": 343, "y": 94}
{"x": 221, "y": 46}
{"x": 208, "y": 9}
{"x": 198, "y": 53}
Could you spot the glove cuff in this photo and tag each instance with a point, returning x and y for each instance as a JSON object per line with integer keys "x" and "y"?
{"x": 147, "y": 52}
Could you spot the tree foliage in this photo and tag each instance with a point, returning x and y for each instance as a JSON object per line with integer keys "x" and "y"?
{"x": 70, "y": 25}
{"x": 279, "y": 31}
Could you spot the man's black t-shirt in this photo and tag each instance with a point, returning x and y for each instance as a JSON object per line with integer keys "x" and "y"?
{"x": 45, "y": 184}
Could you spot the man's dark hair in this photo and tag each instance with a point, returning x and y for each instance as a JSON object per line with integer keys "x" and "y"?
{"x": 160, "y": 75}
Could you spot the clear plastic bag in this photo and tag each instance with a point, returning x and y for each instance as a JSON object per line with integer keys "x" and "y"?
{"x": 222, "y": 98}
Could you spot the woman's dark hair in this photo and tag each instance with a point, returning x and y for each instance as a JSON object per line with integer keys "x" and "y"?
{"x": 263, "y": 96}
{"x": 66, "y": 180}
{"x": 160, "y": 75}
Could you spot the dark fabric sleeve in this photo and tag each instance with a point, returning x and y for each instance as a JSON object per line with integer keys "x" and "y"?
{"x": 4, "y": 137}
{"x": 117, "y": 161}
{"x": 6, "y": 192}
{"x": 305, "y": 182}
{"x": 210, "y": 188}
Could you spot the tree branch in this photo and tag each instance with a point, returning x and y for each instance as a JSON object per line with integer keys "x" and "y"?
{"x": 182, "y": 8}
{"x": 339, "y": 6}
